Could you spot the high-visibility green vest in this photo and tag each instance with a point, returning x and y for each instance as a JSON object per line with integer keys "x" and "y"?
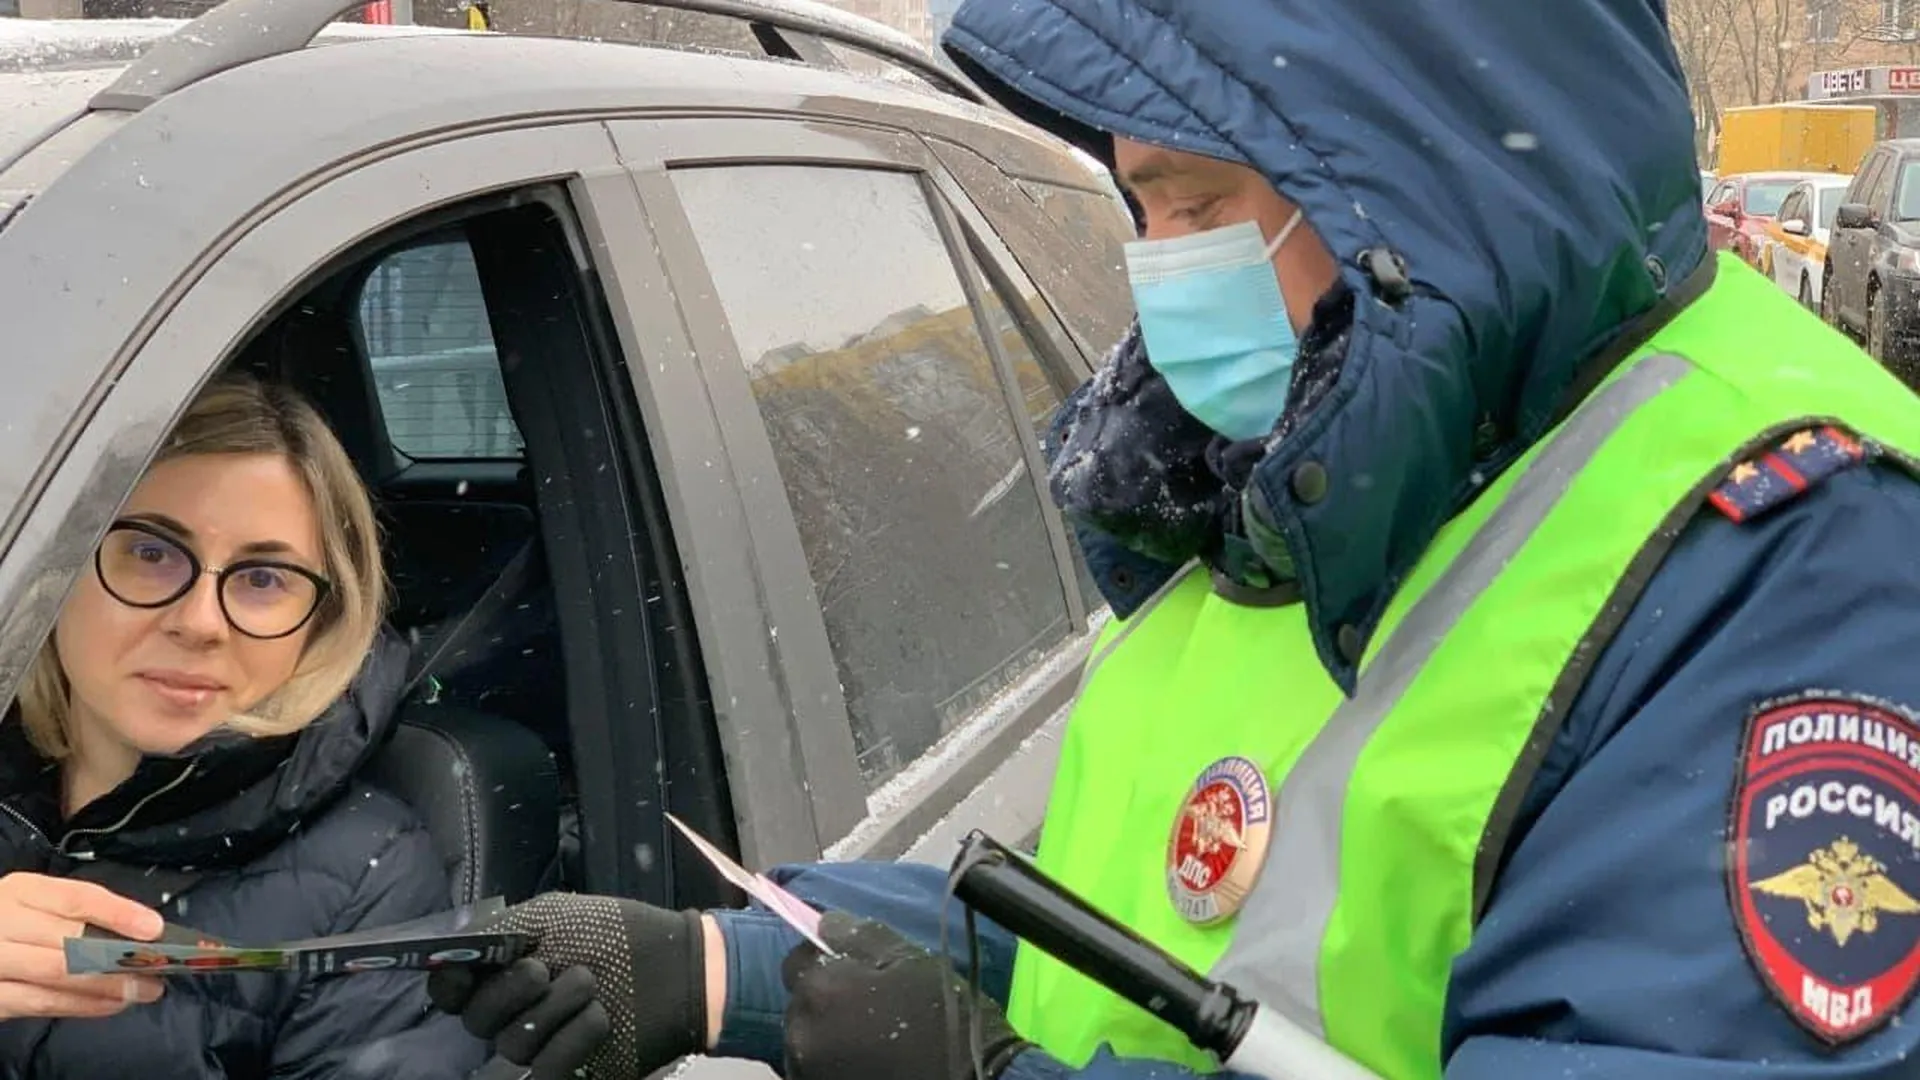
{"x": 1375, "y": 868}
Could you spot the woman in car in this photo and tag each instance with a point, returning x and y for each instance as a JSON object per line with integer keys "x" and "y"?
{"x": 197, "y": 721}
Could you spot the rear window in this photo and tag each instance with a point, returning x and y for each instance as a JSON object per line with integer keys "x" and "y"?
{"x": 423, "y": 323}
{"x": 1079, "y": 263}
{"x": 1764, "y": 196}
{"x": 904, "y": 460}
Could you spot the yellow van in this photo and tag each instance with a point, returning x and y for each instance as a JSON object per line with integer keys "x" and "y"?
{"x": 1795, "y": 136}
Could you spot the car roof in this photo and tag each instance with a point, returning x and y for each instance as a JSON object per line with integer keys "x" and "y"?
{"x": 1777, "y": 174}
{"x": 41, "y": 45}
{"x": 51, "y": 68}
{"x": 55, "y": 72}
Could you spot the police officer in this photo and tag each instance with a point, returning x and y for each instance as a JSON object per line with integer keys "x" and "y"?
{"x": 1519, "y": 605}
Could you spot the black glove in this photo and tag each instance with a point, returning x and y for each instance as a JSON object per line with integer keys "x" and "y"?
{"x": 550, "y": 1026}
{"x": 645, "y": 974}
{"x": 886, "y": 1008}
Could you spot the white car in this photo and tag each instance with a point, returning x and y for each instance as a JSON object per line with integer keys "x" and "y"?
{"x": 1796, "y": 238}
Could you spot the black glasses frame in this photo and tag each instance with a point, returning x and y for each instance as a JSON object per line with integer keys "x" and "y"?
{"x": 321, "y": 591}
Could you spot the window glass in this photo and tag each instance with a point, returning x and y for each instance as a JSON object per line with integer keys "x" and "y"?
{"x": 1863, "y": 180}
{"x": 1830, "y": 200}
{"x": 1876, "y": 195}
{"x": 900, "y": 453}
{"x": 1763, "y": 196}
{"x": 423, "y": 321}
{"x": 1906, "y": 202}
{"x": 1038, "y": 390}
{"x": 1080, "y": 260}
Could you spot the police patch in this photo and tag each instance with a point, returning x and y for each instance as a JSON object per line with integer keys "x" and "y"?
{"x": 1219, "y": 841}
{"x": 1825, "y": 869}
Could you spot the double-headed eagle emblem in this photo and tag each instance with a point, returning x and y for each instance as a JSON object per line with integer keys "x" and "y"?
{"x": 1215, "y": 817}
{"x": 1845, "y": 890}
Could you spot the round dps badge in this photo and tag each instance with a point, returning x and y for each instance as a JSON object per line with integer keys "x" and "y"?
{"x": 1219, "y": 841}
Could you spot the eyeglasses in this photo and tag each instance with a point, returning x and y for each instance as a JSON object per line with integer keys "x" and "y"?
{"x": 142, "y": 567}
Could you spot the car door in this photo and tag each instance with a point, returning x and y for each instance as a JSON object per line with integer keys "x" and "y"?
{"x": 880, "y": 399}
{"x": 1720, "y": 221}
{"x": 1781, "y": 251}
{"x": 143, "y": 313}
{"x": 1825, "y": 204}
{"x": 1849, "y": 249}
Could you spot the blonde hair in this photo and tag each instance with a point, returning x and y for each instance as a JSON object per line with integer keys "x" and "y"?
{"x": 238, "y": 414}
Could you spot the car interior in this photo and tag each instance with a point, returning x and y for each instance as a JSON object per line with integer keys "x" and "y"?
{"x": 484, "y": 746}
{"x": 449, "y": 533}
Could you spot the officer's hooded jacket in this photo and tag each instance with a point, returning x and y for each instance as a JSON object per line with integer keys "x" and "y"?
{"x": 284, "y": 843}
{"x": 1523, "y": 176}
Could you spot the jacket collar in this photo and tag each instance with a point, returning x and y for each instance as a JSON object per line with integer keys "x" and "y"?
{"x": 222, "y": 800}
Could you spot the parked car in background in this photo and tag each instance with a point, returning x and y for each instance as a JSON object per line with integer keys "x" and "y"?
{"x": 1873, "y": 258}
{"x": 1794, "y": 251}
{"x": 1740, "y": 206}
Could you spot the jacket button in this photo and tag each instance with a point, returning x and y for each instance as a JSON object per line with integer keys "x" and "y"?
{"x": 1347, "y": 638}
{"x": 1310, "y": 482}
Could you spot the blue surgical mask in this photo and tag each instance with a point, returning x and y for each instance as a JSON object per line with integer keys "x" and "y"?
{"x": 1215, "y": 325}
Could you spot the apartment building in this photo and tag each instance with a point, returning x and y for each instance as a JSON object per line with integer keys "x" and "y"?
{"x": 1862, "y": 51}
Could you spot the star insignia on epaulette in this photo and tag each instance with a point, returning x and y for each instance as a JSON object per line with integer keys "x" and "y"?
{"x": 1777, "y": 474}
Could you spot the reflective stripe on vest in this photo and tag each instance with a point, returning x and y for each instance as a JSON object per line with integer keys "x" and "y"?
{"x": 1390, "y": 810}
{"x": 1280, "y": 962}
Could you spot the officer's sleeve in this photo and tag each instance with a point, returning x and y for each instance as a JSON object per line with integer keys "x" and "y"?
{"x": 910, "y": 897}
{"x": 1717, "y": 869}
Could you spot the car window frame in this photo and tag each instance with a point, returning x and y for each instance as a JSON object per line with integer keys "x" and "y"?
{"x": 1002, "y": 197}
{"x": 821, "y": 758}
{"x": 170, "y": 351}
{"x": 357, "y": 297}
{"x": 196, "y": 325}
{"x": 1795, "y": 196}
{"x": 1862, "y": 181}
{"x": 1821, "y": 218}
{"x": 1879, "y": 186}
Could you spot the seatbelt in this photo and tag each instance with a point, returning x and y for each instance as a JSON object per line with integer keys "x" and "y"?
{"x": 453, "y": 637}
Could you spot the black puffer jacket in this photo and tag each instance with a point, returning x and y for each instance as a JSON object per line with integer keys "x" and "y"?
{"x": 291, "y": 847}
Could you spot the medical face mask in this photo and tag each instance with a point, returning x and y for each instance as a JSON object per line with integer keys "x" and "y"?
{"x": 1215, "y": 325}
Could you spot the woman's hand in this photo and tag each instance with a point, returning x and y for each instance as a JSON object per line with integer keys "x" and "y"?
{"x": 37, "y": 913}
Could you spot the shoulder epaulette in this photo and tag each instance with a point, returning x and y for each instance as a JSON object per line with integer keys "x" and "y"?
{"x": 1777, "y": 475}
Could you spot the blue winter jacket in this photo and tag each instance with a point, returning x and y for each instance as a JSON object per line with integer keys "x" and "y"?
{"x": 1531, "y": 168}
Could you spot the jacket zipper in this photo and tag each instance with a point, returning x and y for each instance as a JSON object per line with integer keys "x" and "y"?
{"x": 61, "y": 847}
{"x": 22, "y": 819}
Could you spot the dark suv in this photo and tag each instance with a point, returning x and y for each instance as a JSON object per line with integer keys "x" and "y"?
{"x": 711, "y": 386}
{"x": 1872, "y": 270}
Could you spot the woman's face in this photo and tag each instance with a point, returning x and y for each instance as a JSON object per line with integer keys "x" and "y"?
{"x": 151, "y": 680}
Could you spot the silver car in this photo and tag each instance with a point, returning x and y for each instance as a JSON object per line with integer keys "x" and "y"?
{"x": 710, "y": 387}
